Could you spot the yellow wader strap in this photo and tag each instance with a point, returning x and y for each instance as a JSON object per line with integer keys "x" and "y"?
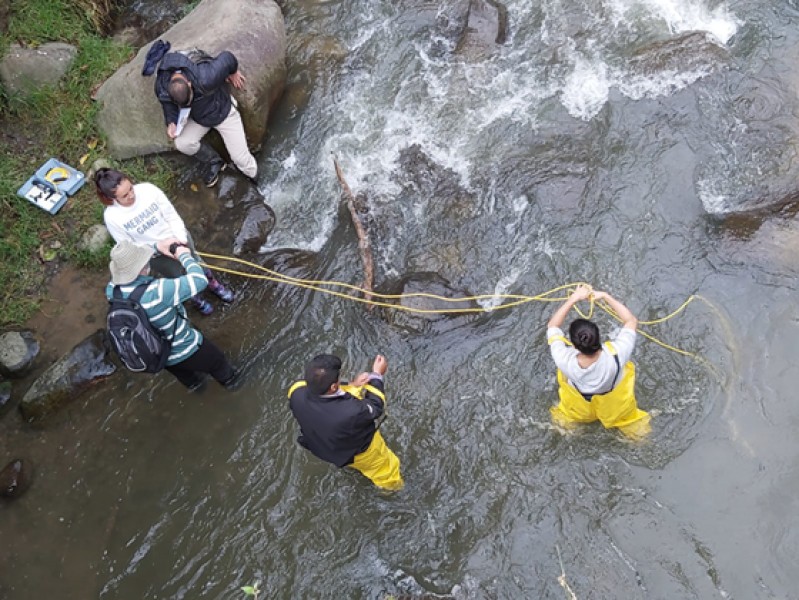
{"x": 296, "y": 386}
{"x": 352, "y": 389}
{"x": 376, "y": 392}
{"x": 610, "y": 348}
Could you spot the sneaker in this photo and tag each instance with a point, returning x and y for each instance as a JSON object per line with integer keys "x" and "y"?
{"x": 224, "y": 293}
{"x": 201, "y": 304}
{"x": 212, "y": 174}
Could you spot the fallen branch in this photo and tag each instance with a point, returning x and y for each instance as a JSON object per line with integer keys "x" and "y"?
{"x": 364, "y": 248}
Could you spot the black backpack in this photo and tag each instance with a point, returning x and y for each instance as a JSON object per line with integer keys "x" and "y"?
{"x": 141, "y": 347}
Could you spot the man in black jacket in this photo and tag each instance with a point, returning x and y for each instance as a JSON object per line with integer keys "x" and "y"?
{"x": 192, "y": 89}
{"x": 338, "y": 422}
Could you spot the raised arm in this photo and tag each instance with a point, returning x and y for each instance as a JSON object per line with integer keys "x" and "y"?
{"x": 629, "y": 320}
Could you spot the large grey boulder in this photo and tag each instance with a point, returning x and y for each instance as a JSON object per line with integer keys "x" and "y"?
{"x": 24, "y": 70}
{"x": 85, "y": 364}
{"x": 253, "y": 30}
{"x": 18, "y": 349}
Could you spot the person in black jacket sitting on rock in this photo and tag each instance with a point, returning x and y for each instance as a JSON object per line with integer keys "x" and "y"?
{"x": 197, "y": 82}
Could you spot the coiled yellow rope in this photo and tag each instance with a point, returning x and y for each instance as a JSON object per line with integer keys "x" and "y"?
{"x": 515, "y": 299}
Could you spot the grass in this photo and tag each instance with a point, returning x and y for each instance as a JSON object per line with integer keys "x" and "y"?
{"x": 61, "y": 121}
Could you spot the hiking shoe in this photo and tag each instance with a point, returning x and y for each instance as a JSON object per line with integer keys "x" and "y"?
{"x": 212, "y": 174}
{"x": 201, "y": 304}
{"x": 223, "y": 293}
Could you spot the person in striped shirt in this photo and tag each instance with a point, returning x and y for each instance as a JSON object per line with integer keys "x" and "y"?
{"x": 192, "y": 355}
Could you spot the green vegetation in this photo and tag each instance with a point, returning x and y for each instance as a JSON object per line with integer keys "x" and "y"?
{"x": 57, "y": 121}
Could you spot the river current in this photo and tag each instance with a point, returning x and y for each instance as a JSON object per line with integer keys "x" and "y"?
{"x": 575, "y": 151}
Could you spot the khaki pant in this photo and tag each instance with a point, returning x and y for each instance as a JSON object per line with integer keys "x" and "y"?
{"x": 232, "y": 132}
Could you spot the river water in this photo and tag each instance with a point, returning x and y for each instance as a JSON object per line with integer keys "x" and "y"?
{"x": 575, "y": 151}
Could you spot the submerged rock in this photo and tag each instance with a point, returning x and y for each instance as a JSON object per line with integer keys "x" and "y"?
{"x": 18, "y": 350}
{"x": 85, "y": 364}
{"x": 14, "y": 479}
{"x": 696, "y": 50}
{"x": 420, "y": 322}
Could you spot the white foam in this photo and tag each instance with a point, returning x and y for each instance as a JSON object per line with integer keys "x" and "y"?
{"x": 586, "y": 88}
{"x": 713, "y": 202}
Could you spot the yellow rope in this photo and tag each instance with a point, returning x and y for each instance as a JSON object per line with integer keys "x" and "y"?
{"x": 515, "y": 299}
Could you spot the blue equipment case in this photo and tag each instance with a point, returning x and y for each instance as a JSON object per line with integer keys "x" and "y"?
{"x": 51, "y": 185}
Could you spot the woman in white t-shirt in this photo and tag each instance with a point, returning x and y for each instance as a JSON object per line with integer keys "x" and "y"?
{"x": 142, "y": 214}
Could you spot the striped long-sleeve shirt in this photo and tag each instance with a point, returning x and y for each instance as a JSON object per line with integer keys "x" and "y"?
{"x": 163, "y": 302}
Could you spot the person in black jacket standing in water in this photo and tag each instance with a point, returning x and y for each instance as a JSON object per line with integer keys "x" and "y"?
{"x": 194, "y": 83}
{"x": 339, "y": 421}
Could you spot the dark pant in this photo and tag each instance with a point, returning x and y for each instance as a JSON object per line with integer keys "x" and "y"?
{"x": 207, "y": 359}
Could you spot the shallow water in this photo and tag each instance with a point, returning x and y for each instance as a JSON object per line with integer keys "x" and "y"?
{"x": 550, "y": 161}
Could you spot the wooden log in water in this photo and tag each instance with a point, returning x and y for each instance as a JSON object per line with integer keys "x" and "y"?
{"x": 364, "y": 247}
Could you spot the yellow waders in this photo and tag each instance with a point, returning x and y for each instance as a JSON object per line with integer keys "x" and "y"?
{"x": 377, "y": 462}
{"x": 616, "y": 408}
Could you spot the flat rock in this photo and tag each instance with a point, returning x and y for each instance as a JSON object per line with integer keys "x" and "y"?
{"x": 95, "y": 238}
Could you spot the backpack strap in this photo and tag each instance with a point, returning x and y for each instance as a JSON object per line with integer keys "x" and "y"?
{"x": 137, "y": 293}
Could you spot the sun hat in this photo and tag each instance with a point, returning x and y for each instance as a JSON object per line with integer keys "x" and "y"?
{"x": 127, "y": 261}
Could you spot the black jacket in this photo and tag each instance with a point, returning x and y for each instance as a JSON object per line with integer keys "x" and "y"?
{"x": 211, "y": 102}
{"x": 335, "y": 429}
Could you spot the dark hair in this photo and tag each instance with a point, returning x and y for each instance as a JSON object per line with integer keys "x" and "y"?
{"x": 322, "y": 372}
{"x": 585, "y": 336}
{"x": 107, "y": 181}
{"x": 179, "y": 90}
